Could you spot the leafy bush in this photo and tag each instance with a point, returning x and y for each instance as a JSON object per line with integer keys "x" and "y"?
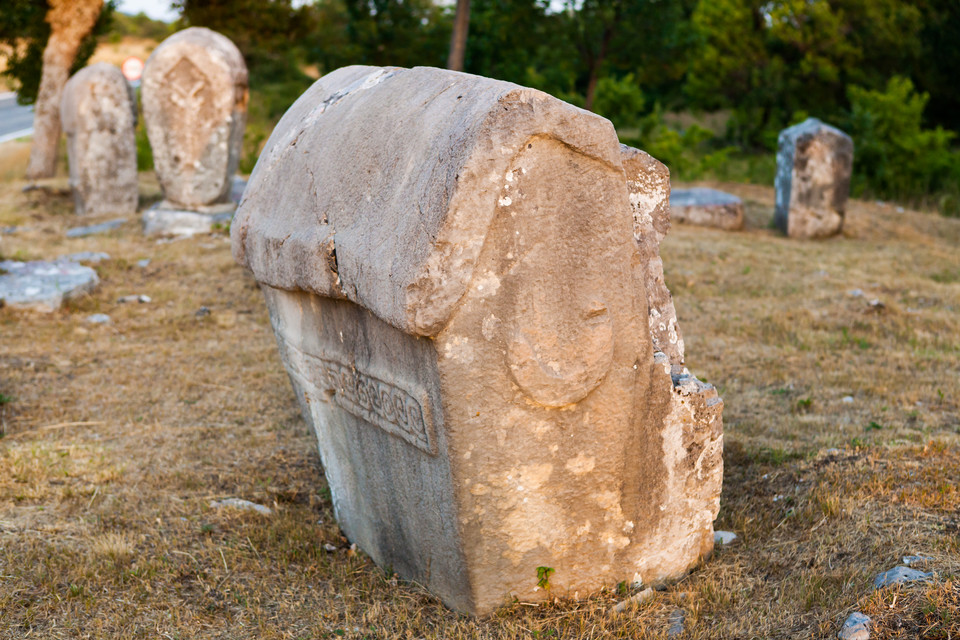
{"x": 690, "y": 154}
{"x": 894, "y": 155}
{"x": 621, "y": 101}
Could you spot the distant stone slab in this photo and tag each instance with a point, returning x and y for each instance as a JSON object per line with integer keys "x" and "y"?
{"x": 43, "y": 286}
{"x": 161, "y": 220}
{"x": 814, "y": 165}
{"x": 103, "y": 227}
{"x": 707, "y": 208}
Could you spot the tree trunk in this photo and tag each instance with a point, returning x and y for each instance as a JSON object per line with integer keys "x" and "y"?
{"x": 597, "y": 63}
{"x": 70, "y": 22}
{"x": 458, "y": 41}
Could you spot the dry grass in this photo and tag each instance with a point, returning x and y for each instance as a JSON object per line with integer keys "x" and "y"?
{"x": 119, "y": 436}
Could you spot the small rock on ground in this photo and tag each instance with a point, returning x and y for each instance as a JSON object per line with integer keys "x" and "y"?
{"x": 676, "y": 620}
{"x": 900, "y": 575}
{"x": 142, "y": 299}
{"x": 240, "y": 503}
{"x": 856, "y": 627}
{"x": 912, "y": 560}
{"x": 633, "y": 601}
{"x": 99, "y": 318}
{"x": 724, "y": 537}
{"x": 103, "y": 227}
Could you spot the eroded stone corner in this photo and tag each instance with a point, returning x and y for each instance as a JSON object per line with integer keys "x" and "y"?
{"x": 693, "y": 428}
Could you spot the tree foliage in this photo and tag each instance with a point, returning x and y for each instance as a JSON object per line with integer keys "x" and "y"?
{"x": 23, "y": 37}
{"x": 884, "y": 69}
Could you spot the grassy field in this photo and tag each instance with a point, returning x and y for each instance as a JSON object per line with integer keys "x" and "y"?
{"x": 842, "y": 447}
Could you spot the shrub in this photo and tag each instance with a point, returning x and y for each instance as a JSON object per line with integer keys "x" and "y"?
{"x": 894, "y": 155}
{"x": 621, "y": 101}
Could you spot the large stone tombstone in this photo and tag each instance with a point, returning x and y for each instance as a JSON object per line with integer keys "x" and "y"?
{"x": 814, "y": 163}
{"x": 462, "y": 280}
{"x": 99, "y": 115}
{"x": 194, "y": 93}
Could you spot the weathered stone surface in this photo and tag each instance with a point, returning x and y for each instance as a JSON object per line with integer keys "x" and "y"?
{"x": 814, "y": 163}
{"x": 99, "y": 115}
{"x": 43, "y": 286}
{"x": 161, "y": 220}
{"x": 194, "y": 91}
{"x": 462, "y": 305}
{"x": 707, "y": 208}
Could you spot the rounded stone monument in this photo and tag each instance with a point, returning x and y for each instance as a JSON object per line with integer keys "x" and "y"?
{"x": 464, "y": 280}
{"x": 99, "y": 116}
{"x": 195, "y": 92}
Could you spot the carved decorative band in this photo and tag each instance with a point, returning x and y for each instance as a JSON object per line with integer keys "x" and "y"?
{"x": 403, "y": 412}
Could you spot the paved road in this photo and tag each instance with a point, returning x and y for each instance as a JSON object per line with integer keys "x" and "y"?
{"x": 15, "y": 121}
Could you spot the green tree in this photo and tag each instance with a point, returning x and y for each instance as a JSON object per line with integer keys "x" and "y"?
{"x": 769, "y": 59}
{"x": 895, "y": 155}
{"x": 935, "y": 69}
{"x": 520, "y": 41}
{"x": 24, "y": 33}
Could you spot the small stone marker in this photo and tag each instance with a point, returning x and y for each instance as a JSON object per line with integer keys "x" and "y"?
{"x": 814, "y": 164}
{"x": 707, "y": 208}
{"x": 462, "y": 307}
{"x": 43, "y": 286}
{"x": 195, "y": 93}
{"x": 856, "y": 627}
{"x": 99, "y": 114}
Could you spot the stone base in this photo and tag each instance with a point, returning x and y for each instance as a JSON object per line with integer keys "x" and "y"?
{"x": 707, "y": 208}
{"x": 810, "y": 224}
{"x": 43, "y": 286}
{"x": 164, "y": 219}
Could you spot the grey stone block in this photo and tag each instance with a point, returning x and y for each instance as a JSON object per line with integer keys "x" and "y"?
{"x": 707, "y": 208}
{"x": 814, "y": 165}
